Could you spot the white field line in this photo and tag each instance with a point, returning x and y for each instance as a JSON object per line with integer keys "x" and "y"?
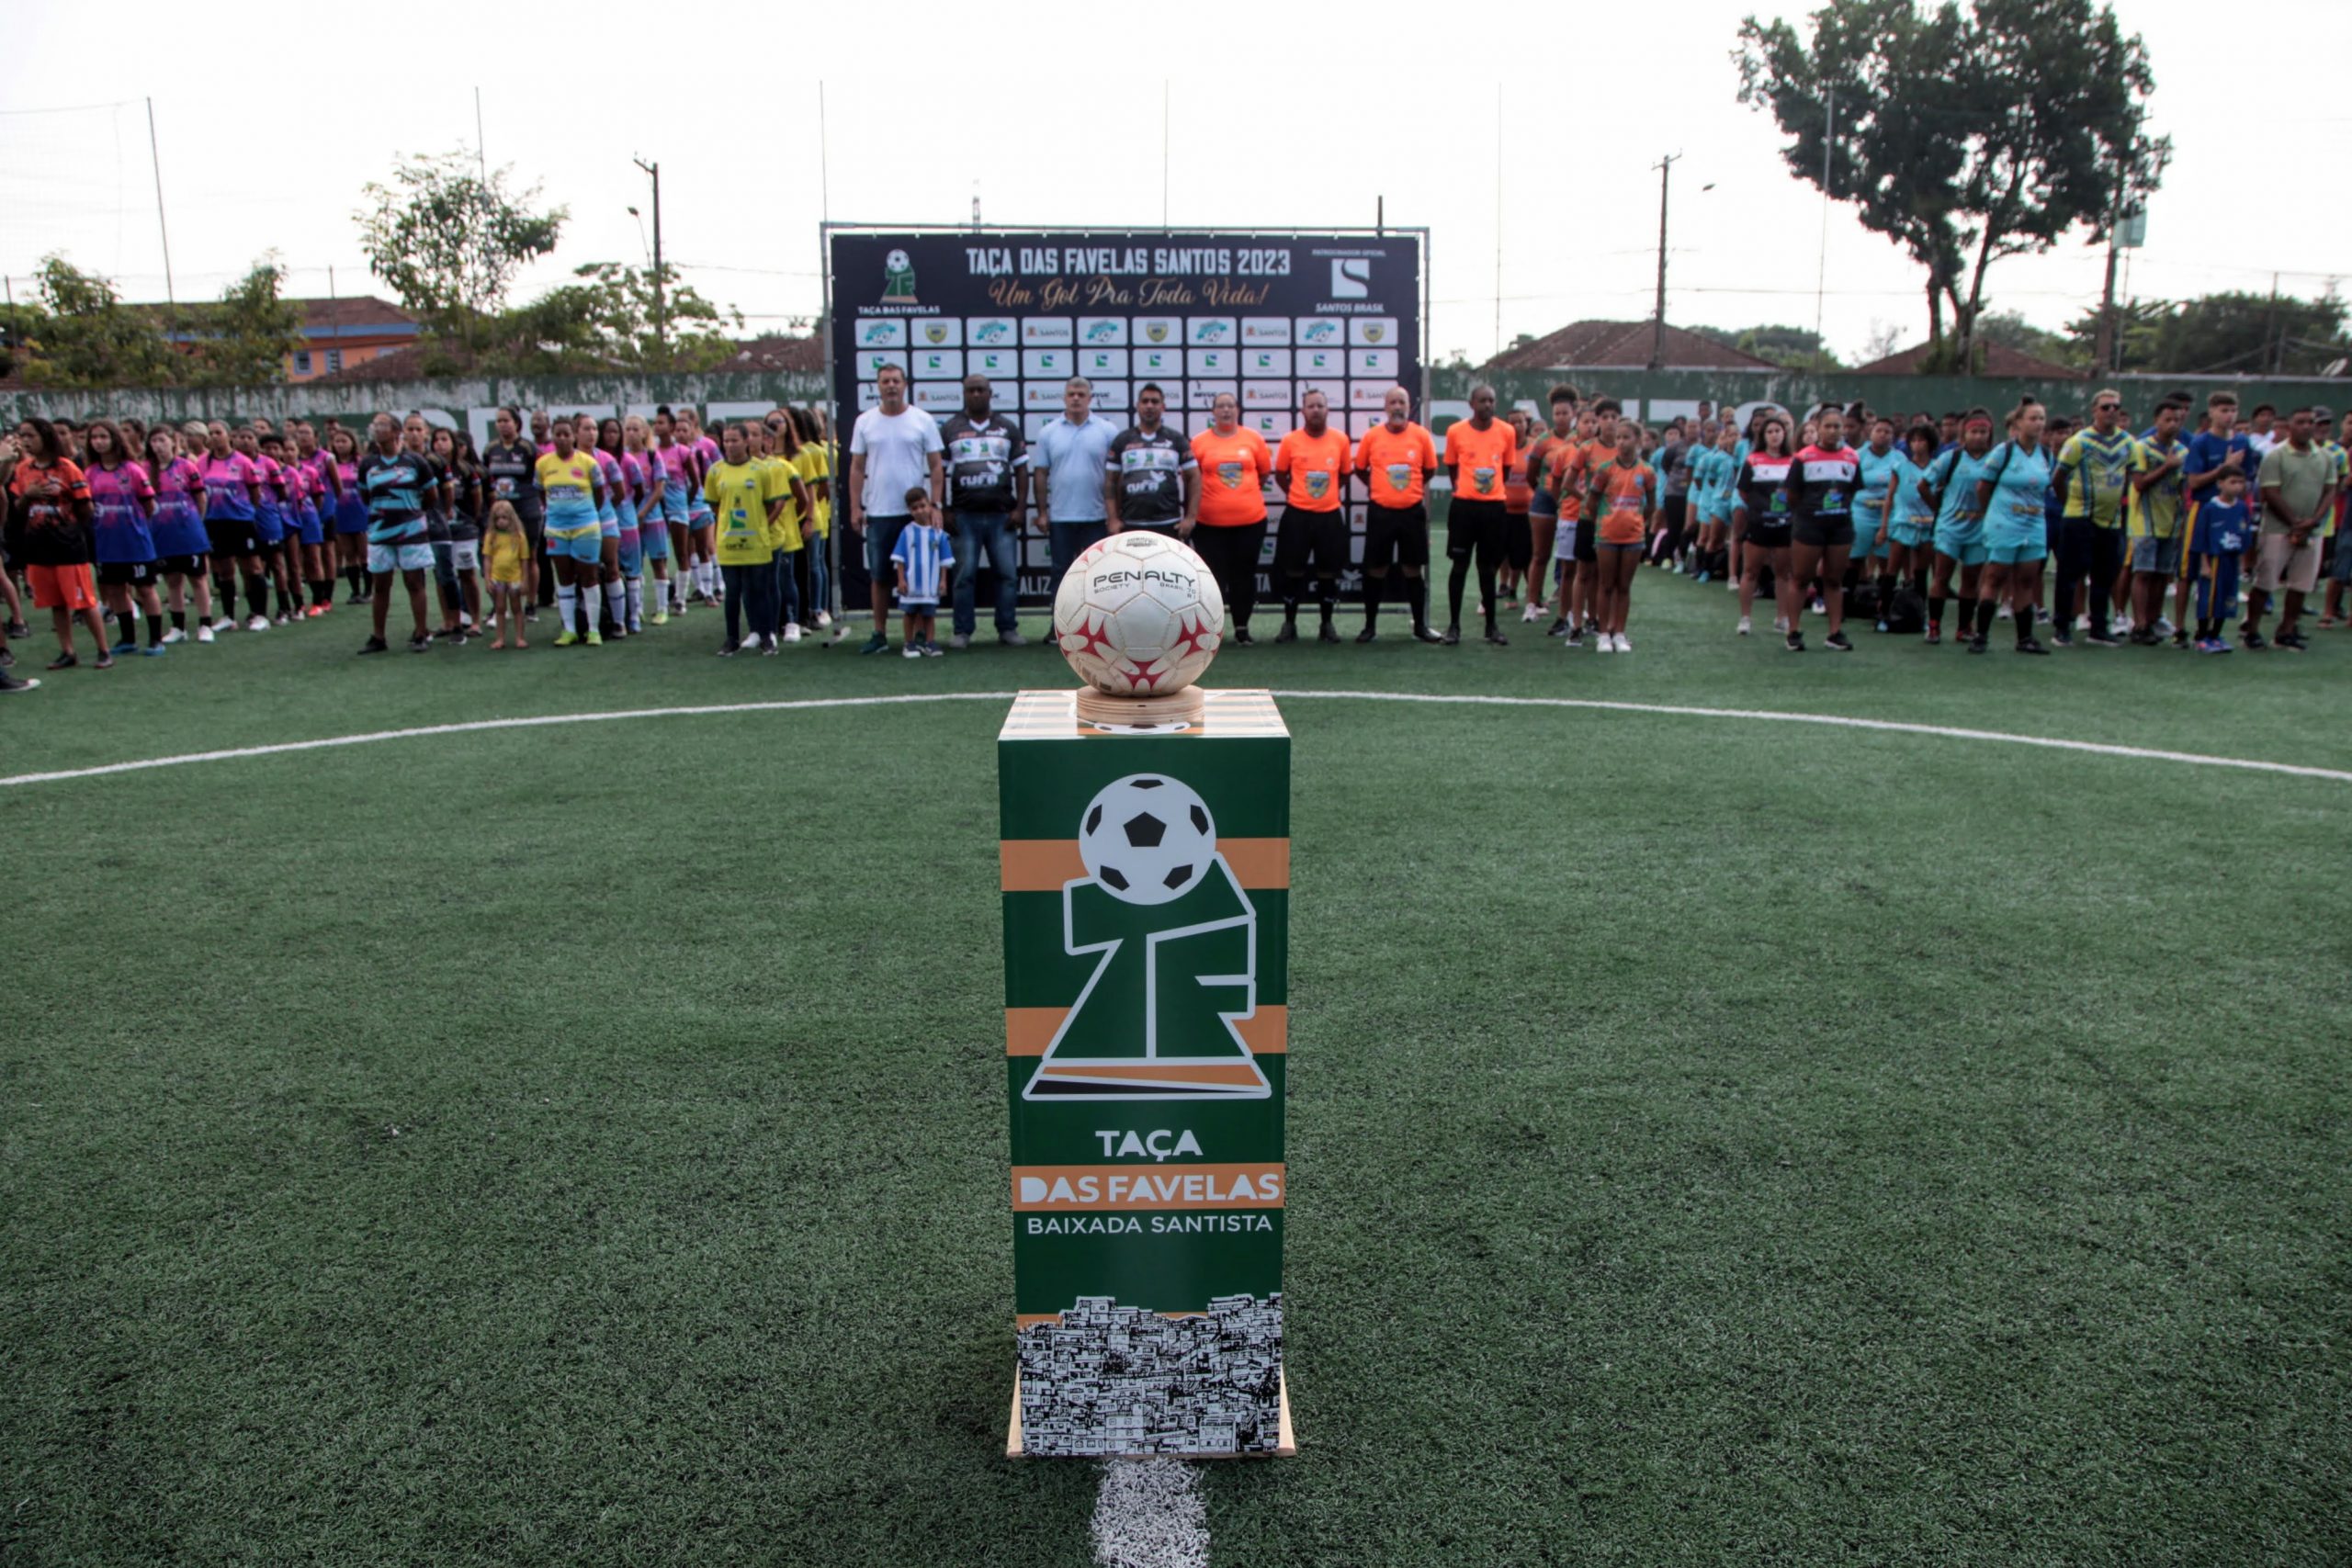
{"x": 1894, "y": 726}
{"x": 1150, "y": 1514}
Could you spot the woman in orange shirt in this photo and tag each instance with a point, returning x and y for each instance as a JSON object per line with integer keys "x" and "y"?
{"x": 1519, "y": 536}
{"x": 1621, "y": 502}
{"x": 1234, "y": 466}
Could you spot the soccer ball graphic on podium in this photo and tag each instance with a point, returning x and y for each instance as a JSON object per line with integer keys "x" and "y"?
{"x": 1147, "y": 838}
{"x": 1138, "y": 617}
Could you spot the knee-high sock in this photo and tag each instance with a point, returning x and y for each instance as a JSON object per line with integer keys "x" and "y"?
{"x": 1453, "y": 584}
{"x": 224, "y": 597}
{"x": 617, "y": 603}
{"x": 635, "y": 601}
{"x": 567, "y": 604}
{"x": 1966, "y": 625}
{"x": 1372, "y": 586}
{"x": 1487, "y": 592}
{"x": 1417, "y": 597}
{"x": 257, "y": 594}
{"x": 1327, "y": 596}
{"x": 1985, "y": 611}
{"x": 1935, "y": 610}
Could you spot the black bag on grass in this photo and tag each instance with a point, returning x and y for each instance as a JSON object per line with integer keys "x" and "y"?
{"x": 1905, "y": 612}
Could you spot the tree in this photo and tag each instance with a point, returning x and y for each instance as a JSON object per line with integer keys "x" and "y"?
{"x": 605, "y": 321}
{"x": 2228, "y": 332}
{"x": 243, "y": 339}
{"x": 82, "y": 335}
{"x": 1791, "y": 348}
{"x": 1966, "y": 138}
{"x": 449, "y": 241}
{"x": 2011, "y": 330}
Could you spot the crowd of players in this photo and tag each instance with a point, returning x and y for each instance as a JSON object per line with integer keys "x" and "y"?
{"x": 1909, "y": 523}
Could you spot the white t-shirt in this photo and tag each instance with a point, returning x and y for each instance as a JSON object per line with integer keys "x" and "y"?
{"x": 897, "y": 449}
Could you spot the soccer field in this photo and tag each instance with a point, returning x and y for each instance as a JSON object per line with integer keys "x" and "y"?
{"x": 1711, "y": 1138}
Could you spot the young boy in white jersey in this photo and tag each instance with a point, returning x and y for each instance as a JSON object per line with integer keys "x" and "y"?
{"x": 921, "y": 555}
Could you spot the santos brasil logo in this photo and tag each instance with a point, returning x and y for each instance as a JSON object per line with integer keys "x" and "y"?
{"x": 1178, "y": 944}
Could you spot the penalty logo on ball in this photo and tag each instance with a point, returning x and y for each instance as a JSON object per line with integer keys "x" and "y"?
{"x": 1175, "y": 944}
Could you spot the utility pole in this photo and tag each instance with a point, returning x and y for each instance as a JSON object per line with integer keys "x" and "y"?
{"x": 1657, "y": 327}
{"x": 660, "y": 312}
{"x": 2275, "y": 332}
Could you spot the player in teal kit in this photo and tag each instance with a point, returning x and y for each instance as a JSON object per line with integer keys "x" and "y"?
{"x": 2012, "y": 480}
{"x": 1951, "y": 484}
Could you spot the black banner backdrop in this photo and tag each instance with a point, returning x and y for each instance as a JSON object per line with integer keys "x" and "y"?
{"x": 1266, "y": 317}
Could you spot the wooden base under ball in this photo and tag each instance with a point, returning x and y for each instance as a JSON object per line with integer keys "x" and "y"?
{"x": 1185, "y": 706}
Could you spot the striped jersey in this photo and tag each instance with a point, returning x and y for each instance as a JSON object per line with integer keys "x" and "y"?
{"x": 923, "y": 551}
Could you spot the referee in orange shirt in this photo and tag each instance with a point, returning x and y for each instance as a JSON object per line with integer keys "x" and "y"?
{"x": 1311, "y": 470}
{"x": 1480, "y": 453}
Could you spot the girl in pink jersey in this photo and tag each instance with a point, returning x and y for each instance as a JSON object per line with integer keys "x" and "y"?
{"x": 178, "y": 531}
{"x": 640, "y": 465}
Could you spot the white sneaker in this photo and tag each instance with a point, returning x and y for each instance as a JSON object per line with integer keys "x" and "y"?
{"x": 1528, "y": 615}
{"x": 1602, "y": 645}
{"x": 1733, "y": 586}
{"x": 1781, "y": 624}
{"x": 912, "y": 650}
{"x": 1744, "y": 627}
{"x": 824, "y": 618}
{"x": 2163, "y": 627}
{"x": 792, "y": 631}
{"x": 2003, "y": 614}
{"x": 204, "y": 634}
{"x": 2083, "y": 622}
{"x": 1623, "y": 645}
{"x": 175, "y": 634}
{"x": 257, "y": 624}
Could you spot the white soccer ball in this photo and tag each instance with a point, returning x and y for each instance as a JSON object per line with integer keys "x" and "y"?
{"x": 1138, "y": 615}
{"x": 1147, "y": 838}
{"x": 897, "y": 261}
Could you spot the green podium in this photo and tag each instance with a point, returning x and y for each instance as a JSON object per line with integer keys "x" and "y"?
{"x": 1146, "y": 881}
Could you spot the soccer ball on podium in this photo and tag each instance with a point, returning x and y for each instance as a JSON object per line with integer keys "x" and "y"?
{"x": 1138, "y": 617}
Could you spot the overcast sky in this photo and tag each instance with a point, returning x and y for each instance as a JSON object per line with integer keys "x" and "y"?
{"x": 1288, "y": 116}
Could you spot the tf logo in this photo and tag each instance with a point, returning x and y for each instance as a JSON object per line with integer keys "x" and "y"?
{"x": 899, "y": 278}
{"x": 1175, "y": 940}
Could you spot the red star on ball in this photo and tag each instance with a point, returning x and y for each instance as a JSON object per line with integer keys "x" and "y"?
{"x": 1087, "y": 638}
{"x": 1197, "y": 637}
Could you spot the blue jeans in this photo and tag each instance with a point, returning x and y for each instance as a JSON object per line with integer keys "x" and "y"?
{"x": 820, "y": 575}
{"x": 992, "y": 531}
{"x": 1068, "y": 541}
{"x": 785, "y": 601}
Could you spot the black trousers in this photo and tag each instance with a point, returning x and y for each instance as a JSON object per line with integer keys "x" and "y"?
{"x": 2084, "y": 546}
{"x": 1232, "y": 556}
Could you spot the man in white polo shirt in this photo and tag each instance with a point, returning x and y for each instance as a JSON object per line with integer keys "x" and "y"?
{"x": 892, "y": 449}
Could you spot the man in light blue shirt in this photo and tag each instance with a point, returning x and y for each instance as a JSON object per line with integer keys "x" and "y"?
{"x": 1068, "y": 464}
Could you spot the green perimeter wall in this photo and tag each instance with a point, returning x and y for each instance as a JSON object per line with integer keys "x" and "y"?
{"x": 1659, "y": 394}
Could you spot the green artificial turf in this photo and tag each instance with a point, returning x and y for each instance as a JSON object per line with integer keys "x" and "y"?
{"x": 1710, "y": 1140}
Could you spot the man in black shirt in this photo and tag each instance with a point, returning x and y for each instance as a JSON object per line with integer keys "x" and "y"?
{"x": 984, "y": 462}
{"x": 1151, "y": 480}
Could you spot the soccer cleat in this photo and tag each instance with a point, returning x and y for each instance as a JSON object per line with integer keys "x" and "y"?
{"x": 10, "y": 684}
{"x": 770, "y": 647}
{"x": 594, "y": 638}
{"x": 661, "y": 617}
{"x": 1604, "y": 646}
{"x": 2032, "y": 645}
{"x": 877, "y": 643}
{"x": 1453, "y": 636}
{"x": 315, "y": 611}
{"x": 204, "y": 634}
{"x": 1837, "y": 642}
{"x": 911, "y": 650}
{"x": 2103, "y": 639}
{"x": 1366, "y": 635}
{"x": 1422, "y": 634}
{"x": 2292, "y": 641}
{"x": 1976, "y": 644}
{"x": 1795, "y": 642}
{"x": 1242, "y": 635}
{"x": 2163, "y": 627}
{"x": 1935, "y": 634}
{"x": 1495, "y": 636}
{"x": 730, "y": 650}
{"x": 2180, "y": 637}
{"x": 63, "y": 662}
{"x": 1559, "y": 628}
{"x": 2003, "y": 614}
{"x": 1530, "y": 612}
{"x": 175, "y": 634}
{"x": 2253, "y": 641}
{"x": 2061, "y": 639}
{"x": 153, "y": 650}
{"x": 1781, "y": 624}
{"x": 257, "y": 624}
{"x": 125, "y": 645}
{"x": 420, "y": 644}
{"x": 1745, "y": 625}
{"x": 1624, "y": 643}
{"x": 566, "y": 637}
{"x": 375, "y": 645}
{"x": 18, "y": 629}
{"x": 1288, "y": 634}
{"x": 1328, "y": 633}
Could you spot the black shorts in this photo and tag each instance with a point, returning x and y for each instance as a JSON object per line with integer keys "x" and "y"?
{"x": 1518, "y": 540}
{"x": 1825, "y": 533}
{"x": 1675, "y": 510}
{"x": 1767, "y": 536}
{"x": 125, "y": 573}
{"x": 230, "y": 538}
{"x": 1587, "y": 536}
{"x": 182, "y": 566}
{"x": 1475, "y": 528}
{"x": 1395, "y": 536}
{"x": 1303, "y": 536}
{"x": 535, "y": 529}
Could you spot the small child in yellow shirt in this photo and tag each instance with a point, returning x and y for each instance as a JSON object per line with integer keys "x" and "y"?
{"x": 505, "y": 551}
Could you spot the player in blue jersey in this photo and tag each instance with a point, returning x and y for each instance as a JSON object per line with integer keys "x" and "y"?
{"x": 1949, "y": 484}
{"x": 2012, "y": 480}
{"x": 1879, "y": 466}
{"x": 2217, "y": 543}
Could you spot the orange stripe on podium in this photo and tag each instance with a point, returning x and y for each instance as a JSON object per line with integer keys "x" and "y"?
{"x": 1028, "y": 1030}
{"x": 1042, "y": 865}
